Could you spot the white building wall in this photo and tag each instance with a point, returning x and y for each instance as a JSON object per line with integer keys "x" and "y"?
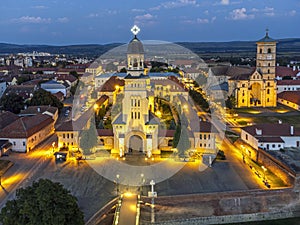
{"x": 291, "y": 141}
{"x": 281, "y": 88}
{"x": 2, "y": 88}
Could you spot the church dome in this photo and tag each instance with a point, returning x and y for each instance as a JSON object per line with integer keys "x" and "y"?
{"x": 135, "y": 46}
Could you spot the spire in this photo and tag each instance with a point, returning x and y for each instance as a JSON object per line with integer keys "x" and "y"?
{"x": 267, "y": 32}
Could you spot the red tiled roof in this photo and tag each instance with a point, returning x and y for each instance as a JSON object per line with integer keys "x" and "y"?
{"x": 270, "y": 139}
{"x": 101, "y": 100}
{"x": 110, "y": 84}
{"x": 288, "y": 82}
{"x": 25, "y": 127}
{"x": 291, "y": 96}
{"x": 105, "y": 132}
{"x": 39, "y": 110}
{"x": 68, "y": 77}
{"x": 282, "y": 71}
{"x": 166, "y": 133}
{"x": 272, "y": 130}
{"x": 66, "y": 126}
{"x": 207, "y": 127}
{"x": 7, "y": 118}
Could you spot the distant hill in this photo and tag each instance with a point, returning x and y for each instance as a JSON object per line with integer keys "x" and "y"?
{"x": 288, "y": 45}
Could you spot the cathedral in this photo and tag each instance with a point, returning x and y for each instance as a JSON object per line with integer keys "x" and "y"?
{"x": 257, "y": 88}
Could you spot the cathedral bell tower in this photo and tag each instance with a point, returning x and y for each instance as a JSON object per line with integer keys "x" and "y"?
{"x": 266, "y": 57}
{"x": 135, "y": 55}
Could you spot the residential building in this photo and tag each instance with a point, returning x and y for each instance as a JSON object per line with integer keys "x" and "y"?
{"x": 290, "y": 99}
{"x": 271, "y": 136}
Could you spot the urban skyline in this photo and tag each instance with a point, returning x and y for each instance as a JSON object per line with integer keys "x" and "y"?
{"x": 77, "y": 22}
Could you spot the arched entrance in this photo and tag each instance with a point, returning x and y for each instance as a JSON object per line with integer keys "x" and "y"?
{"x": 135, "y": 144}
{"x": 255, "y": 94}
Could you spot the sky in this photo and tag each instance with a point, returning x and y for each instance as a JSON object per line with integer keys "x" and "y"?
{"x": 65, "y": 22}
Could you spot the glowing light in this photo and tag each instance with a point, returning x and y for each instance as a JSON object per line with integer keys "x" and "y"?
{"x": 135, "y": 29}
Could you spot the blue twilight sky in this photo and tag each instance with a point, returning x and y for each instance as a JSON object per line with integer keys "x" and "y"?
{"x": 105, "y": 21}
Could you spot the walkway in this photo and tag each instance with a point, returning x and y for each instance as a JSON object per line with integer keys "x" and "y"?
{"x": 128, "y": 210}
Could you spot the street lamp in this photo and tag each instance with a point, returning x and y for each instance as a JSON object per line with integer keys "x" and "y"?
{"x": 117, "y": 183}
{"x": 265, "y": 170}
{"x": 53, "y": 145}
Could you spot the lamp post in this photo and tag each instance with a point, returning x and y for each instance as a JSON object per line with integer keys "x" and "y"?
{"x": 53, "y": 145}
{"x": 117, "y": 183}
{"x": 142, "y": 183}
{"x": 265, "y": 170}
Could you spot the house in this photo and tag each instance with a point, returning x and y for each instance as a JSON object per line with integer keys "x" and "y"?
{"x": 54, "y": 86}
{"x": 271, "y": 136}
{"x": 25, "y": 91}
{"x": 288, "y": 85}
{"x": 287, "y": 72}
{"x": 3, "y": 86}
{"x": 36, "y": 110}
{"x": 205, "y": 137}
{"x": 25, "y": 133}
{"x": 290, "y": 99}
{"x": 5, "y": 147}
{"x": 60, "y": 96}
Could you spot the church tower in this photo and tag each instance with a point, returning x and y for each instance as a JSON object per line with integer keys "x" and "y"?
{"x": 266, "y": 57}
{"x": 135, "y": 55}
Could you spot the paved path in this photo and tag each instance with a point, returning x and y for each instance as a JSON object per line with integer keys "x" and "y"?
{"x": 128, "y": 210}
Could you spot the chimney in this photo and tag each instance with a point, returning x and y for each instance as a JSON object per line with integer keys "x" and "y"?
{"x": 288, "y": 65}
{"x": 258, "y": 131}
{"x": 294, "y": 68}
{"x": 280, "y": 121}
{"x": 292, "y": 130}
{"x": 39, "y": 109}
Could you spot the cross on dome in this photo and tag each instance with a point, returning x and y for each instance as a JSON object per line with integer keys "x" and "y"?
{"x": 135, "y": 30}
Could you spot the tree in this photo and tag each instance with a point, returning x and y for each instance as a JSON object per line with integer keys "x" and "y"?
{"x": 123, "y": 70}
{"x": 12, "y": 102}
{"x": 230, "y": 102}
{"x": 89, "y": 138}
{"x": 43, "y": 203}
{"x": 172, "y": 125}
{"x": 42, "y": 97}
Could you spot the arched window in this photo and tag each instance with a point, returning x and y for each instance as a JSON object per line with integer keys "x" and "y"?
{"x": 269, "y": 50}
{"x": 268, "y": 71}
{"x": 260, "y": 50}
{"x": 268, "y": 91}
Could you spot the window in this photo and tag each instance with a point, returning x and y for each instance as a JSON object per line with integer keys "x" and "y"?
{"x": 273, "y": 145}
{"x": 200, "y": 136}
{"x": 268, "y": 71}
{"x": 204, "y": 136}
{"x": 246, "y": 137}
{"x": 64, "y": 135}
{"x": 72, "y": 136}
{"x": 268, "y": 91}
{"x": 200, "y": 145}
{"x": 243, "y": 100}
{"x": 269, "y": 50}
{"x": 279, "y": 146}
{"x": 14, "y": 143}
{"x": 260, "y": 50}
{"x": 68, "y": 136}
{"x": 208, "y": 136}
{"x": 268, "y": 100}
{"x": 131, "y": 115}
{"x": 24, "y": 144}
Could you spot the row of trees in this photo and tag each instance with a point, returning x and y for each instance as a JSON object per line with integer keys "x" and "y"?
{"x": 15, "y": 103}
{"x": 199, "y": 100}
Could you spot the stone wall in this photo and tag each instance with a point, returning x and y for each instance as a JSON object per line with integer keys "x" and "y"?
{"x": 275, "y": 166}
{"x": 228, "y": 207}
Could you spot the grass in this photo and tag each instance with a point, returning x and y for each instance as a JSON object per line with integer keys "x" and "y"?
{"x": 4, "y": 166}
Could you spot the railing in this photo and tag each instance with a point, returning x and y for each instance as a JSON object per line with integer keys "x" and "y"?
{"x": 138, "y": 210}
{"x": 117, "y": 212}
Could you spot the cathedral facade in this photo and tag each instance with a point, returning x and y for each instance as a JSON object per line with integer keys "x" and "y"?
{"x": 258, "y": 89}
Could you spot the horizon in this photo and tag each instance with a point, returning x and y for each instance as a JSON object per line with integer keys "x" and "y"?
{"x": 76, "y": 22}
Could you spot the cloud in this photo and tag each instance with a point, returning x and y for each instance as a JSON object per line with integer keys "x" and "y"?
{"x": 269, "y": 11}
{"x": 202, "y": 21}
{"x": 39, "y": 7}
{"x": 213, "y": 19}
{"x": 292, "y": 13}
{"x": 138, "y": 10}
{"x": 145, "y": 19}
{"x": 147, "y": 16}
{"x": 224, "y": 2}
{"x": 174, "y": 4}
{"x": 240, "y": 14}
{"x": 93, "y": 15}
{"x": 63, "y": 20}
{"x": 31, "y": 19}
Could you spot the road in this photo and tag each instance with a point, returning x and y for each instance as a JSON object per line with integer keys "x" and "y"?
{"x": 25, "y": 167}
{"x": 128, "y": 210}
